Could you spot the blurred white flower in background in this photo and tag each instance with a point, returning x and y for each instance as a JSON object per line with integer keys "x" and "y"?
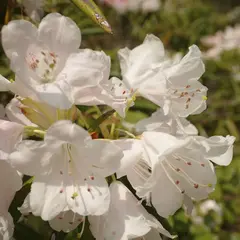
{"x": 123, "y": 6}
{"x": 222, "y": 41}
{"x": 33, "y": 8}
{"x": 203, "y": 209}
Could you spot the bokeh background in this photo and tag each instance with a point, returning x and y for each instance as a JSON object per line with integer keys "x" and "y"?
{"x": 179, "y": 24}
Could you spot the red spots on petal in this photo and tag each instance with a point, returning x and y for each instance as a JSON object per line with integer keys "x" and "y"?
{"x": 61, "y": 191}
{"x": 196, "y": 185}
{"x": 188, "y": 86}
{"x": 202, "y": 164}
{"x": 177, "y": 182}
{"x": 89, "y": 189}
{"x": 183, "y": 191}
{"x": 124, "y": 92}
{"x": 92, "y": 177}
{"x": 189, "y": 163}
{"x": 178, "y": 169}
{"x": 60, "y": 218}
{"x": 198, "y": 90}
{"x": 186, "y": 93}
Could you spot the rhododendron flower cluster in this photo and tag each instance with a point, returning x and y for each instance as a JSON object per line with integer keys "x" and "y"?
{"x": 60, "y": 129}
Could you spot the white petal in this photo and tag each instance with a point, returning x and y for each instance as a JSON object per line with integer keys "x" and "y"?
{"x": 46, "y": 198}
{"x": 191, "y": 100}
{"x": 157, "y": 144}
{"x": 218, "y": 149}
{"x": 25, "y": 209}
{"x": 194, "y": 165}
{"x": 190, "y": 67}
{"x": 126, "y": 218}
{"x": 106, "y": 157}
{"x": 67, "y": 132}
{"x": 151, "y": 235}
{"x": 15, "y": 114}
{"x": 65, "y": 221}
{"x": 17, "y": 36}
{"x": 166, "y": 197}
{"x": 32, "y": 157}
{"x": 84, "y": 80}
{"x": 53, "y": 95}
{"x": 188, "y": 127}
{"x": 188, "y": 184}
{"x": 12, "y": 133}
{"x": 132, "y": 152}
{"x": 10, "y": 187}
{"x": 123, "y": 55}
{"x": 166, "y": 123}
{"x": 140, "y": 59}
{"x": 6, "y": 227}
{"x": 188, "y": 204}
{"x": 4, "y": 84}
{"x": 92, "y": 194}
{"x": 60, "y": 33}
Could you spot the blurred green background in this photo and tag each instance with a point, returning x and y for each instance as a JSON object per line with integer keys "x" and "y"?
{"x": 179, "y": 24}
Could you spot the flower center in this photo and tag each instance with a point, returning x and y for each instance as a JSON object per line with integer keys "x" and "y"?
{"x": 188, "y": 94}
{"x": 42, "y": 62}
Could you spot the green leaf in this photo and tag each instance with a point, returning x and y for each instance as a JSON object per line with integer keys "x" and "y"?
{"x": 92, "y": 10}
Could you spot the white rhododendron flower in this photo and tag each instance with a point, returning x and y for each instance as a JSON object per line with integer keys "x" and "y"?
{"x": 175, "y": 87}
{"x": 69, "y": 170}
{"x": 177, "y": 167}
{"x": 123, "y": 6}
{"x": 50, "y": 65}
{"x": 125, "y": 219}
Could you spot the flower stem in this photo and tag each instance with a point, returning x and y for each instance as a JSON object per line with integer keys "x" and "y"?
{"x": 83, "y": 119}
{"x": 83, "y": 227}
{"x": 113, "y": 177}
{"x": 98, "y": 110}
{"x": 113, "y": 126}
